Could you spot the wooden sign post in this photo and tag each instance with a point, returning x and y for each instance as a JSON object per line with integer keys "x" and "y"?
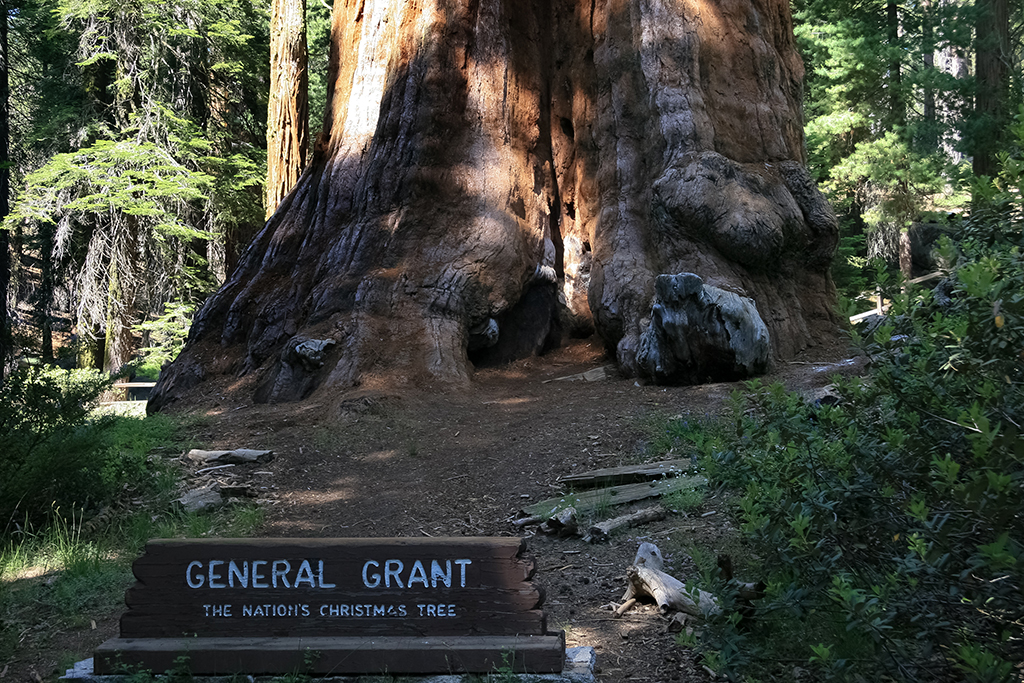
{"x": 334, "y": 606}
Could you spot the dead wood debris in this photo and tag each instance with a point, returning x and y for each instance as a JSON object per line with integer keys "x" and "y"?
{"x": 647, "y": 580}
{"x": 560, "y": 516}
{"x": 602, "y": 531}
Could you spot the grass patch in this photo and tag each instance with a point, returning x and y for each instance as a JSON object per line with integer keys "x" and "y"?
{"x": 683, "y": 435}
{"x": 684, "y": 501}
{"x": 63, "y": 567}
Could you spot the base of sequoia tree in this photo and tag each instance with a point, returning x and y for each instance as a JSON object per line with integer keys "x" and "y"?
{"x": 495, "y": 175}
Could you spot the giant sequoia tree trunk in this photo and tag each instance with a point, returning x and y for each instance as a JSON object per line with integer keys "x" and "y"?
{"x": 494, "y": 174}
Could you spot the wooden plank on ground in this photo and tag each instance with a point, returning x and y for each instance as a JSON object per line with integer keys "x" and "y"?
{"x": 334, "y": 656}
{"x": 627, "y": 474}
{"x": 595, "y": 499}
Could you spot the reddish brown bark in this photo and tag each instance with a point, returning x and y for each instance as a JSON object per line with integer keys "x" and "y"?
{"x": 288, "y": 106}
{"x": 992, "y": 64}
{"x": 494, "y": 174}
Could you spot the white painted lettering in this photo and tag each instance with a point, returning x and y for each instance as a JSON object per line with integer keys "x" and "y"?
{"x": 436, "y": 573}
{"x": 379, "y": 610}
{"x": 418, "y": 574}
{"x": 217, "y": 610}
{"x": 367, "y": 578}
{"x": 462, "y": 567}
{"x": 392, "y": 568}
{"x": 279, "y": 570}
{"x": 320, "y": 577}
{"x": 246, "y": 610}
{"x": 214, "y": 576}
{"x": 194, "y": 581}
{"x": 305, "y": 575}
{"x": 257, "y": 577}
{"x": 242, "y": 574}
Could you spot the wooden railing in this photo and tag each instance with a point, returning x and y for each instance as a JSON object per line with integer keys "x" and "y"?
{"x": 881, "y": 307}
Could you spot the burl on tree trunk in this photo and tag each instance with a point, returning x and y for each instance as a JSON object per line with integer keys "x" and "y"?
{"x": 494, "y": 175}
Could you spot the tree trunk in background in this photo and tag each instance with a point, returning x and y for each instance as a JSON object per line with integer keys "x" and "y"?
{"x": 897, "y": 106}
{"x": 992, "y": 75}
{"x": 288, "y": 108}
{"x": 6, "y": 349}
{"x": 494, "y": 174}
{"x": 930, "y": 136}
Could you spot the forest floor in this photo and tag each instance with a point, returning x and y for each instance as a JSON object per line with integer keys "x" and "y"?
{"x": 380, "y": 462}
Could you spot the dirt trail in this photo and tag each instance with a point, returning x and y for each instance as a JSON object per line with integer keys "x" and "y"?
{"x": 386, "y": 462}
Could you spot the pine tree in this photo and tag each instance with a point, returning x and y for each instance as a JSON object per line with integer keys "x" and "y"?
{"x": 162, "y": 163}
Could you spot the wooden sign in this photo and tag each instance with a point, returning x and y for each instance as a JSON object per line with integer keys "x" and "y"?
{"x": 340, "y": 606}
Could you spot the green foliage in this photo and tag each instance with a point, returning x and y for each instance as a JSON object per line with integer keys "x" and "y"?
{"x": 892, "y": 523}
{"x": 318, "y": 39}
{"x": 683, "y": 501}
{"x": 156, "y": 163}
{"x": 166, "y": 334}
{"x": 56, "y": 453}
{"x": 850, "y": 267}
{"x": 896, "y": 515}
{"x": 685, "y": 435}
{"x": 884, "y": 115}
{"x": 892, "y": 178}
{"x": 46, "y": 428}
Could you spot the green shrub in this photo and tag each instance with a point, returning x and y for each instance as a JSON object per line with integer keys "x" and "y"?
{"x": 56, "y": 452}
{"x": 893, "y": 522}
{"x": 47, "y": 438}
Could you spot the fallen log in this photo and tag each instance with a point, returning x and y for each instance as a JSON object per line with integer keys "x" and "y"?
{"x": 587, "y": 502}
{"x": 600, "y": 532}
{"x": 628, "y": 474}
{"x": 236, "y": 456}
{"x": 669, "y": 592}
{"x": 647, "y": 579}
{"x": 624, "y": 607}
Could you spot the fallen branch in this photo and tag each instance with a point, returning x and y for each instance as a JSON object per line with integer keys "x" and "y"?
{"x": 624, "y": 607}
{"x": 601, "y": 531}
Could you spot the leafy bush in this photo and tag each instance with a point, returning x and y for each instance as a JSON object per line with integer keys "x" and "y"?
{"x": 46, "y": 438}
{"x": 56, "y": 453}
{"x": 893, "y": 522}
